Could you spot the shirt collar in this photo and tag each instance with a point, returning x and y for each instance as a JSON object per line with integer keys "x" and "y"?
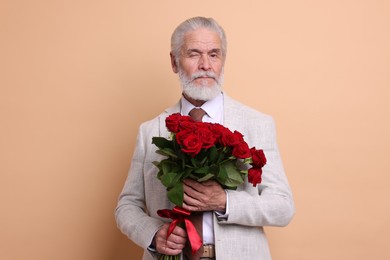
{"x": 211, "y": 106}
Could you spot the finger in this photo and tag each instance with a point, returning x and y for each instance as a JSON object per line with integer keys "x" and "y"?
{"x": 197, "y": 193}
{"x": 189, "y": 191}
{"x": 174, "y": 245}
{"x": 192, "y": 204}
{"x": 169, "y": 247}
{"x": 166, "y": 250}
{"x": 180, "y": 232}
{"x": 178, "y": 236}
{"x": 175, "y": 242}
{"x": 191, "y": 200}
{"x": 193, "y": 184}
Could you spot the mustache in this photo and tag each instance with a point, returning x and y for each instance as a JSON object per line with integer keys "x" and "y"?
{"x": 201, "y": 74}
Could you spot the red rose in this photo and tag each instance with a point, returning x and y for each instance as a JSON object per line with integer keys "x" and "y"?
{"x": 192, "y": 144}
{"x": 241, "y": 151}
{"x": 228, "y": 138}
{"x": 200, "y": 125}
{"x": 239, "y": 136}
{"x": 217, "y": 130}
{"x": 206, "y": 136}
{"x": 187, "y": 125}
{"x": 175, "y": 122}
{"x": 172, "y": 122}
{"x": 258, "y": 157}
{"x": 182, "y": 135}
{"x": 254, "y": 175}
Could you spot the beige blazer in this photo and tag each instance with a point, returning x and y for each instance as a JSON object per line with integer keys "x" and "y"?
{"x": 241, "y": 236}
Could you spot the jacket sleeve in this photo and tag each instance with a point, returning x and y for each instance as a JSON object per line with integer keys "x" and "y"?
{"x": 130, "y": 213}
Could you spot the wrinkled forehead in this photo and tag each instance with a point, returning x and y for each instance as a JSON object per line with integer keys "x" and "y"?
{"x": 202, "y": 39}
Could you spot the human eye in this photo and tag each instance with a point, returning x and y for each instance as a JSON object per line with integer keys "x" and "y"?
{"x": 215, "y": 54}
{"x": 193, "y": 54}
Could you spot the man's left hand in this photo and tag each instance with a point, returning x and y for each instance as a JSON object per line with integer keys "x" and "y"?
{"x": 203, "y": 196}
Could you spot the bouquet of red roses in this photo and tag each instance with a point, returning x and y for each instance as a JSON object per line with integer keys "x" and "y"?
{"x": 204, "y": 151}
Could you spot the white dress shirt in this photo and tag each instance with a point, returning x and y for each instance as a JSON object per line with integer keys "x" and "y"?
{"x": 214, "y": 114}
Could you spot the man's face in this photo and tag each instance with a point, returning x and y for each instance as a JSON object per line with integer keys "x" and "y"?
{"x": 200, "y": 64}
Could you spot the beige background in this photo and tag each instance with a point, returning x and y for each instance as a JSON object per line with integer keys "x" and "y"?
{"x": 78, "y": 77}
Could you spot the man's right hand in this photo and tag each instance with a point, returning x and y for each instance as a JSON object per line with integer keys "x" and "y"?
{"x": 175, "y": 242}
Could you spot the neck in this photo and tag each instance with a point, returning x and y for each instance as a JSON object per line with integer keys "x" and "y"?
{"x": 197, "y": 103}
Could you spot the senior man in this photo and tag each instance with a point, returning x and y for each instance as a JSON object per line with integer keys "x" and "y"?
{"x": 232, "y": 220}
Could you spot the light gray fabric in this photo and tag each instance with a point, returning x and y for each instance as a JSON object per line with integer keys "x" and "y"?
{"x": 241, "y": 236}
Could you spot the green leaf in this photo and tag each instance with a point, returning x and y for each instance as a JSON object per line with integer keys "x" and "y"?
{"x": 169, "y": 166}
{"x": 202, "y": 170}
{"x": 213, "y": 153}
{"x": 160, "y": 174}
{"x": 176, "y": 194}
{"x": 223, "y": 154}
{"x": 206, "y": 177}
{"x": 244, "y": 172}
{"x": 247, "y": 160}
{"x": 195, "y": 163}
{"x": 187, "y": 172}
{"x": 170, "y": 179}
{"x": 162, "y": 142}
{"x": 167, "y": 152}
{"x": 204, "y": 160}
{"x": 229, "y": 176}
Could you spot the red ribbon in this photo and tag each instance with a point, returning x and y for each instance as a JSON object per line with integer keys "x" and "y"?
{"x": 179, "y": 215}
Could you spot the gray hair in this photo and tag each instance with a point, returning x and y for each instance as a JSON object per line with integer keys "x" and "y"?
{"x": 177, "y": 39}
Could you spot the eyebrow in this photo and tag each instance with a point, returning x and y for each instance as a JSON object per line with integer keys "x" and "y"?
{"x": 216, "y": 50}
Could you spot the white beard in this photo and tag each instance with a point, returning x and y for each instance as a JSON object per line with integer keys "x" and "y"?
{"x": 200, "y": 92}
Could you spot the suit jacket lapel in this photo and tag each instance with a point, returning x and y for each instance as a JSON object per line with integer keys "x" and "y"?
{"x": 169, "y": 111}
{"x": 230, "y": 119}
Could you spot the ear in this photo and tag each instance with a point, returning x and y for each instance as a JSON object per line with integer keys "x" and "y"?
{"x": 173, "y": 63}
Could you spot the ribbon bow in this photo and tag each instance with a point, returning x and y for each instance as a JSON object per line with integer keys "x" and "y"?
{"x": 179, "y": 215}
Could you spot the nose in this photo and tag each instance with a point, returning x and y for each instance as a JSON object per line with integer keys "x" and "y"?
{"x": 204, "y": 63}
